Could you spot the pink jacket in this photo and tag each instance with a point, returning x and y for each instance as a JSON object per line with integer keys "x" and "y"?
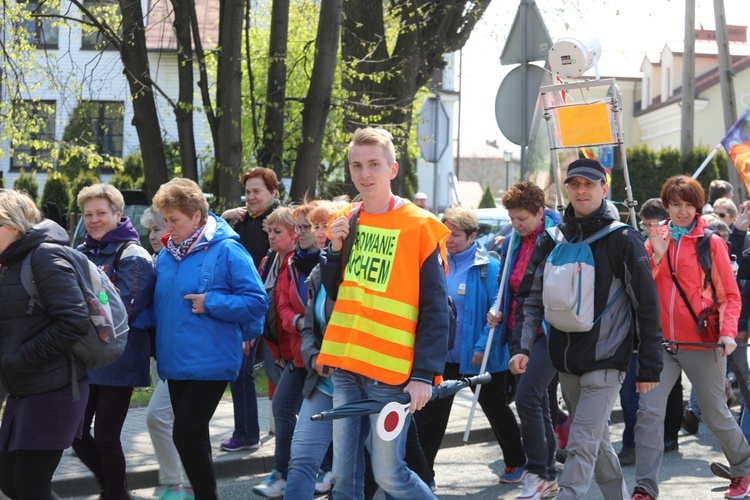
{"x": 676, "y": 322}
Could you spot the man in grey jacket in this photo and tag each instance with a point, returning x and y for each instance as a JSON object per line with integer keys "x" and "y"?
{"x": 592, "y": 364}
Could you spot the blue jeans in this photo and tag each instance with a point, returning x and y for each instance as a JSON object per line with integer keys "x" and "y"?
{"x": 350, "y": 436}
{"x": 285, "y": 405}
{"x": 309, "y": 446}
{"x": 629, "y": 403}
{"x": 245, "y": 401}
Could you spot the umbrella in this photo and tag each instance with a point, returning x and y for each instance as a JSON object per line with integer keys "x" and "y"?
{"x": 375, "y": 405}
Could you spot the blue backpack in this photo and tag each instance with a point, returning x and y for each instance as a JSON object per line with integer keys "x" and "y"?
{"x": 569, "y": 276}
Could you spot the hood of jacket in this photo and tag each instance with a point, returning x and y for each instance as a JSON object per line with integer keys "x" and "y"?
{"x": 46, "y": 231}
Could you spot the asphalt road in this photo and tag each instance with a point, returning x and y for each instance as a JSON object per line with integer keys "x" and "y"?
{"x": 472, "y": 471}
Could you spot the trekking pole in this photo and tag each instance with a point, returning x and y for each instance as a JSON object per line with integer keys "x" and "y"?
{"x": 495, "y": 308}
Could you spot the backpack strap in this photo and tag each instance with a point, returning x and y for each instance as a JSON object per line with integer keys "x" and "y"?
{"x": 29, "y": 283}
{"x": 703, "y": 249}
{"x": 604, "y": 232}
{"x": 556, "y": 235}
{"x": 118, "y": 255}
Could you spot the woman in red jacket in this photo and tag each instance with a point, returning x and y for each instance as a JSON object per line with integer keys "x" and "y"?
{"x": 684, "y": 292}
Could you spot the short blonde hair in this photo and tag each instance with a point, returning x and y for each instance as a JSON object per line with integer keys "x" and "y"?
{"x": 465, "y": 220}
{"x": 282, "y": 216}
{"x": 726, "y": 204}
{"x": 151, "y": 216}
{"x": 18, "y": 211}
{"x": 377, "y": 136}
{"x": 109, "y": 193}
{"x": 184, "y": 195}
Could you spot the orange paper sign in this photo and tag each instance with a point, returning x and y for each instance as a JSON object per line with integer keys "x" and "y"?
{"x": 584, "y": 125}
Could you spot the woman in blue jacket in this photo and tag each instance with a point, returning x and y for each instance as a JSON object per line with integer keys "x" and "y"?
{"x": 207, "y": 292}
{"x": 113, "y": 244}
{"x": 472, "y": 283}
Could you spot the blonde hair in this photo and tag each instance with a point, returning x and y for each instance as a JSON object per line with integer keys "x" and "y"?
{"x": 18, "y": 211}
{"x": 184, "y": 195}
{"x": 281, "y": 216}
{"x": 464, "y": 220}
{"x": 727, "y": 204}
{"x": 109, "y": 193}
{"x": 377, "y": 136}
{"x": 325, "y": 211}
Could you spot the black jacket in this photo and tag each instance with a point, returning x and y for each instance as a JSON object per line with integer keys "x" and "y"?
{"x": 252, "y": 235}
{"x": 633, "y": 316}
{"x": 34, "y": 348}
{"x": 312, "y": 336}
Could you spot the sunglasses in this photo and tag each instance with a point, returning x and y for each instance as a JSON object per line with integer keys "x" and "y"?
{"x": 721, "y": 215}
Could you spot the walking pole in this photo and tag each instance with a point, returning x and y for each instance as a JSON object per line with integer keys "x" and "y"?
{"x": 495, "y": 308}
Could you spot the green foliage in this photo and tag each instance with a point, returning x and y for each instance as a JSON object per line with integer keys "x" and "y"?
{"x": 132, "y": 166}
{"x": 2, "y": 182}
{"x": 488, "y": 199}
{"x": 174, "y": 163}
{"x": 28, "y": 184}
{"x": 716, "y": 168}
{"x": 209, "y": 183}
{"x": 84, "y": 179}
{"x": 56, "y": 191}
{"x": 122, "y": 181}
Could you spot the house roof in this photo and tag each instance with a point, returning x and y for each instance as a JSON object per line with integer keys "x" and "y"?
{"x": 709, "y": 48}
{"x": 160, "y": 35}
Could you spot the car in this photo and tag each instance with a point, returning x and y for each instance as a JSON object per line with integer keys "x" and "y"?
{"x": 136, "y": 202}
{"x": 492, "y": 222}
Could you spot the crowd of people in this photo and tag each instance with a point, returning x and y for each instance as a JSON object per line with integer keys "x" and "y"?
{"x": 378, "y": 298}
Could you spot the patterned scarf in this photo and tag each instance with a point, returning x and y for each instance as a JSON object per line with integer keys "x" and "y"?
{"x": 179, "y": 251}
{"x": 260, "y": 212}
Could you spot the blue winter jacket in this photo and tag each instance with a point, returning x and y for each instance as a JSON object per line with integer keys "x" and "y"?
{"x": 135, "y": 282}
{"x": 551, "y": 219}
{"x": 206, "y": 346}
{"x": 481, "y": 291}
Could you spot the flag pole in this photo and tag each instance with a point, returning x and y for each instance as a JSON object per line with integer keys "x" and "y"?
{"x": 495, "y": 309}
{"x": 705, "y": 162}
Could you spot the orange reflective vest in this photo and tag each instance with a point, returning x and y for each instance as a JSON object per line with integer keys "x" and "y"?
{"x": 373, "y": 325}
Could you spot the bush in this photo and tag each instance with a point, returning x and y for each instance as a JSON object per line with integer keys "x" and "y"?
{"x": 56, "y": 191}
{"x": 488, "y": 199}
{"x": 28, "y": 184}
{"x": 132, "y": 166}
{"x": 122, "y": 181}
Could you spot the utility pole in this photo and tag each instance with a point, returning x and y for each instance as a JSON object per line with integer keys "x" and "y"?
{"x": 727, "y": 85}
{"x": 688, "y": 81}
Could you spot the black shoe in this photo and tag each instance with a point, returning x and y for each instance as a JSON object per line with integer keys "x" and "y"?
{"x": 671, "y": 445}
{"x": 626, "y": 455}
{"x": 720, "y": 470}
{"x": 561, "y": 455}
{"x": 690, "y": 421}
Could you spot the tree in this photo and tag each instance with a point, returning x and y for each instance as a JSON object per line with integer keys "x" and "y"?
{"x": 56, "y": 190}
{"x": 28, "y": 184}
{"x": 318, "y": 100}
{"x": 488, "y": 199}
{"x": 384, "y": 72}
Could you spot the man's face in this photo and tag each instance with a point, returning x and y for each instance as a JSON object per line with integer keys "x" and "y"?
{"x": 585, "y": 195}
{"x": 421, "y": 203}
{"x": 370, "y": 170}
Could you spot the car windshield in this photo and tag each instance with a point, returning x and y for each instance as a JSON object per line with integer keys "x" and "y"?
{"x": 492, "y": 222}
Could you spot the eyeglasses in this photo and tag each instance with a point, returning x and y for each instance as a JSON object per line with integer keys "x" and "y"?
{"x": 721, "y": 215}
{"x": 302, "y": 228}
{"x": 646, "y": 226}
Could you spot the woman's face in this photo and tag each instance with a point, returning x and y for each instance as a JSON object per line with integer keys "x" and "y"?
{"x": 99, "y": 218}
{"x": 458, "y": 241}
{"x": 180, "y": 226}
{"x": 320, "y": 229}
{"x": 7, "y": 236}
{"x": 524, "y": 222}
{"x": 281, "y": 238}
{"x": 682, "y": 213}
{"x": 257, "y": 194}
{"x": 305, "y": 234}
{"x": 155, "y": 233}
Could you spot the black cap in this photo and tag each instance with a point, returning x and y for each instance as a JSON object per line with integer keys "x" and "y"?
{"x": 588, "y": 168}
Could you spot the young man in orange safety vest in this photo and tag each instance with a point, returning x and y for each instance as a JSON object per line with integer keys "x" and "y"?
{"x": 388, "y": 332}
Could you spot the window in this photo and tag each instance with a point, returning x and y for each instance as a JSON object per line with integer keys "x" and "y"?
{"x": 39, "y": 119}
{"x": 41, "y": 30}
{"x": 106, "y": 11}
{"x": 101, "y": 123}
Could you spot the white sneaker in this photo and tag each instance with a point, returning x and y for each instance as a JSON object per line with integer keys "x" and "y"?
{"x": 272, "y": 487}
{"x": 533, "y": 487}
{"x": 551, "y": 489}
{"x": 323, "y": 482}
